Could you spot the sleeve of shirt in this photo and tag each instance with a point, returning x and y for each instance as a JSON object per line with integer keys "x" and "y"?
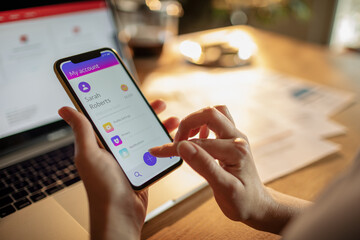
{"x": 335, "y": 214}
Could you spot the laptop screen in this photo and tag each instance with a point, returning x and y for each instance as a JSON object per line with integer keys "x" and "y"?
{"x": 31, "y": 40}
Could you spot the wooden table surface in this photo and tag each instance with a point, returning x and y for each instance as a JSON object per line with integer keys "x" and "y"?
{"x": 199, "y": 217}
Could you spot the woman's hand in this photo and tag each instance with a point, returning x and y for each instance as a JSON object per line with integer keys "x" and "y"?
{"x": 116, "y": 210}
{"x": 235, "y": 182}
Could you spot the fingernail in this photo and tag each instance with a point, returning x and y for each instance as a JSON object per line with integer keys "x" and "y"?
{"x": 186, "y": 149}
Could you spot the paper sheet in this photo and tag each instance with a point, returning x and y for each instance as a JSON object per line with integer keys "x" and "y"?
{"x": 285, "y": 155}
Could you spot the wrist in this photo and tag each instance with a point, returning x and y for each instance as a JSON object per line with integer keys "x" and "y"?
{"x": 108, "y": 220}
{"x": 276, "y": 210}
{"x": 263, "y": 209}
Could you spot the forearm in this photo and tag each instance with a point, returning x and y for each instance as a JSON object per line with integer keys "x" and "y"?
{"x": 277, "y": 210}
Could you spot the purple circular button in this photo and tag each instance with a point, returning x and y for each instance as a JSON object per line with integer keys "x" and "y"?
{"x": 149, "y": 159}
{"x": 84, "y": 87}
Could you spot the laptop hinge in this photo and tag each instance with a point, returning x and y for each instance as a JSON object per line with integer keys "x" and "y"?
{"x": 51, "y": 142}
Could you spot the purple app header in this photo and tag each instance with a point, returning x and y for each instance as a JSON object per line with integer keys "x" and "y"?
{"x": 75, "y": 70}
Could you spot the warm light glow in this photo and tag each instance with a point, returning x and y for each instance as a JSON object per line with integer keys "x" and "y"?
{"x": 245, "y": 54}
{"x": 154, "y": 5}
{"x": 173, "y": 10}
{"x": 191, "y": 50}
{"x": 243, "y": 42}
{"x": 347, "y": 33}
{"x": 220, "y": 48}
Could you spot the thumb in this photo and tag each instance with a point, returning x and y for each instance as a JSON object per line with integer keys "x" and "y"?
{"x": 83, "y": 131}
{"x": 204, "y": 164}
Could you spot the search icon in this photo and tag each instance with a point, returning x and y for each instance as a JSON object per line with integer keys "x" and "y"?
{"x": 137, "y": 174}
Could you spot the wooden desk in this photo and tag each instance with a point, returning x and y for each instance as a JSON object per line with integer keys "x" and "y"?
{"x": 199, "y": 217}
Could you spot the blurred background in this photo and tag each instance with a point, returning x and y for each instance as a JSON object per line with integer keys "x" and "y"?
{"x": 325, "y": 22}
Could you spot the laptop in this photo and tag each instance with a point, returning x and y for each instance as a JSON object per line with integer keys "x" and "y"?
{"x": 41, "y": 192}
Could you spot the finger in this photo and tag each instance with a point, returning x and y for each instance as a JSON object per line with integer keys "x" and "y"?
{"x": 193, "y": 132}
{"x": 171, "y": 124}
{"x": 224, "y": 110}
{"x": 158, "y": 105}
{"x": 204, "y": 132}
{"x": 227, "y": 151}
{"x": 214, "y": 119}
{"x": 167, "y": 150}
{"x": 83, "y": 131}
{"x": 204, "y": 164}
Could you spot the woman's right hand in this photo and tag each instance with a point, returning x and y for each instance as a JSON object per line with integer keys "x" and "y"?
{"x": 235, "y": 182}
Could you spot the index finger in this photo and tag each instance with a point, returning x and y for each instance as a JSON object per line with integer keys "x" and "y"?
{"x": 224, "y": 110}
{"x": 222, "y": 126}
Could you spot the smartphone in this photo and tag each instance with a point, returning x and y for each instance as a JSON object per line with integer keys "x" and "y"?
{"x": 102, "y": 88}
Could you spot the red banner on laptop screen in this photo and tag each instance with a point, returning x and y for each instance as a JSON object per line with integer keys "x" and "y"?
{"x": 44, "y": 11}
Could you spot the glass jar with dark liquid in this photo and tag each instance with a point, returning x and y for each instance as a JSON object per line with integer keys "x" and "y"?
{"x": 148, "y": 24}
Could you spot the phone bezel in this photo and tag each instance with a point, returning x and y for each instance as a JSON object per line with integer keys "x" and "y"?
{"x": 76, "y": 101}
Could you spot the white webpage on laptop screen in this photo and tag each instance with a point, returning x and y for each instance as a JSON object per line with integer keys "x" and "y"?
{"x": 30, "y": 94}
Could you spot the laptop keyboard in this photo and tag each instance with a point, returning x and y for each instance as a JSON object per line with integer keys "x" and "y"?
{"x": 32, "y": 180}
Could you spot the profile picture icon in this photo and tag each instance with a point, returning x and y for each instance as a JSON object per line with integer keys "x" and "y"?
{"x": 84, "y": 87}
{"x": 124, "y": 87}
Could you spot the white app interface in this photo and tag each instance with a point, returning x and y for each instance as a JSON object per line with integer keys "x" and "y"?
{"x": 120, "y": 114}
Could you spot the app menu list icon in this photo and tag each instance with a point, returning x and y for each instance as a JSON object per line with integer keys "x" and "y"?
{"x": 124, "y": 153}
{"x": 108, "y": 127}
{"x": 116, "y": 140}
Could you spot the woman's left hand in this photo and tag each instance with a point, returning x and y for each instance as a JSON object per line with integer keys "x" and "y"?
{"x": 116, "y": 210}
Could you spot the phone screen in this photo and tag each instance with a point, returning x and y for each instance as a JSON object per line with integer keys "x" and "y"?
{"x": 120, "y": 115}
